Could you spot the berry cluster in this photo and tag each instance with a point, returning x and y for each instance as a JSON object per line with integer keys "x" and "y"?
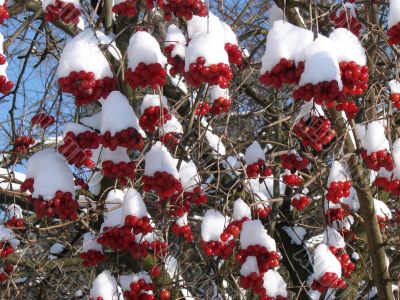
{"x": 315, "y": 132}
{"x": 344, "y": 259}
{"x": 197, "y": 196}
{"x": 377, "y": 160}
{"x": 85, "y": 87}
{"x": 293, "y": 162}
{"x": 214, "y": 74}
{"x": 184, "y": 231}
{"x": 159, "y": 248}
{"x": 220, "y": 105}
{"x": 62, "y": 11}
{"x": 391, "y": 186}
{"x": 253, "y": 282}
{"x": 62, "y": 205}
{"x": 6, "y": 273}
{"x": 284, "y": 72}
{"x": 80, "y": 182}
{"x": 153, "y": 117}
{"x": 128, "y": 138}
{"x": 345, "y": 19}
{"x": 325, "y": 92}
{"x": 234, "y": 54}
{"x": 177, "y": 63}
{"x": 138, "y": 225}
{"x": 338, "y": 190}
{"x": 202, "y": 108}
{"x": 171, "y": 139}
{"x": 146, "y": 75}
{"x": 3, "y": 59}
{"x": 354, "y": 78}
{"x": 4, "y": 14}
{"x": 262, "y": 211}
{"x": 292, "y": 180}
{"x": 258, "y": 168}
{"x": 337, "y": 214}
{"x": 395, "y": 97}
{"x": 73, "y": 148}
{"x": 5, "y": 85}
{"x": 22, "y": 143}
{"x": 42, "y": 120}
{"x": 217, "y": 248}
{"x": 15, "y": 222}
{"x": 265, "y": 259}
{"x": 183, "y": 8}
{"x": 300, "y": 202}
{"x": 394, "y": 34}
{"x": 382, "y": 221}
{"x": 164, "y": 184}
{"x": 92, "y": 258}
{"x": 27, "y": 185}
{"x": 232, "y": 230}
{"x": 328, "y": 280}
{"x": 126, "y": 8}
{"x": 120, "y": 239}
{"x": 140, "y": 290}
{"x": 5, "y": 249}
{"x": 348, "y": 106}
{"x": 121, "y": 171}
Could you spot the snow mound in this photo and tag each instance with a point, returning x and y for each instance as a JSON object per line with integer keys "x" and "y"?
{"x": 241, "y": 210}
{"x": 176, "y": 37}
{"x": 274, "y": 284}
{"x": 133, "y": 204}
{"x": 382, "y": 210}
{"x": 253, "y": 233}
{"x": 90, "y": 243}
{"x": 105, "y": 286}
{"x": 394, "y": 13}
{"x": 153, "y": 100}
{"x": 6, "y": 234}
{"x": 254, "y": 153}
{"x": 118, "y": 155}
{"x": 338, "y": 172}
{"x": 114, "y": 207}
{"x": 394, "y": 86}
{"x": 333, "y": 238}
{"x": 296, "y": 234}
{"x": 212, "y": 226}
{"x": 158, "y": 159}
{"x": 250, "y": 266}
{"x": 171, "y": 126}
{"x": 14, "y": 210}
{"x": 325, "y": 261}
{"x": 188, "y": 176}
{"x": 375, "y": 139}
{"x": 348, "y": 46}
{"x": 126, "y": 280}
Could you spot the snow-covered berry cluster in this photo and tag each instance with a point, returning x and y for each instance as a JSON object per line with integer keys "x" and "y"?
{"x": 154, "y": 112}
{"x": 300, "y": 201}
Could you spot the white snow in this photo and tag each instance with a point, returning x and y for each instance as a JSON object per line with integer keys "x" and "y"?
{"x": 382, "y": 210}
{"x": 176, "y": 37}
{"x": 215, "y": 143}
{"x": 265, "y": 186}
{"x": 198, "y": 25}
{"x": 375, "y": 139}
{"x": 159, "y": 159}
{"x": 254, "y": 153}
{"x": 114, "y": 206}
{"x": 321, "y": 63}
{"x": 153, "y": 100}
{"x": 241, "y": 210}
{"x": 296, "y": 234}
{"x": 171, "y": 126}
{"x": 143, "y": 47}
{"x": 396, "y": 152}
{"x": 216, "y": 92}
{"x": 6, "y": 234}
{"x": 348, "y": 46}
{"x": 253, "y": 233}
{"x": 55, "y": 176}
{"x": 274, "y": 284}
{"x": 212, "y": 226}
{"x": 308, "y": 110}
{"x": 90, "y": 243}
{"x": 188, "y": 176}
{"x": 352, "y": 200}
{"x": 208, "y": 45}
{"x": 133, "y": 204}
{"x": 394, "y": 86}
{"x": 118, "y": 155}
{"x": 355, "y": 256}
{"x": 338, "y": 172}
{"x": 14, "y": 210}
{"x": 394, "y": 13}
{"x": 249, "y": 266}
{"x": 118, "y": 114}
{"x": 274, "y": 13}
{"x": 325, "y": 261}
{"x": 105, "y": 286}
{"x": 56, "y": 248}
{"x": 126, "y": 280}
{"x": 93, "y": 121}
{"x": 182, "y": 221}
{"x": 333, "y": 238}
{"x": 285, "y": 40}
{"x": 83, "y": 53}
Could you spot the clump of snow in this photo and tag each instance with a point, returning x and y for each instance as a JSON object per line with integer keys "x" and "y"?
{"x": 114, "y": 206}
{"x": 14, "y": 210}
{"x": 7, "y": 235}
{"x": 126, "y": 280}
{"x": 118, "y": 114}
{"x": 352, "y": 199}
{"x": 321, "y": 63}
{"x": 83, "y": 53}
{"x": 250, "y": 266}
{"x": 56, "y": 248}
{"x": 133, "y": 204}
{"x": 274, "y": 13}
{"x": 394, "y": 13}
{"x": 264, "y": 186}
{"x": 274, "y": 284}
{"x": 254, "y": 153}
{"x": 348, "y": 46}
{"x": 396, "y": 152}
{"x": 153, "y": 100}
{"x": 118, "y": 155}
{"x": 207, "y": 45}
{"x": 90, "y": 243}
{"x": 296, "y": 234}
{"x": 143, "y": 47}
{"x": 254, "y": 233}
{"x": 241, "y": 210}
{"x": 158, "y": 159}
{"x": 212, "y": 226}
{"x": 375, "y": 139}
{"x": 210, "y": 23}
{"x": 105, "y": 286}
{"x": 216, "y": 92}
{"x": 215, "y": 143}
{"x": 182, "y": 221}
{"x": 355, "y": 256}
{"x": 93, "y": 121}
{"x": 325, "y": 261}
{"x": 338, "y": 172}
{"x": 188, "y": 176}
{"x": 394, "y": 86}
{"x": 333, "y": 238}
{"x": 176, "y": 37}
{"x": 170, "y": 126}
{"x": 56, "y": 176}
{"x": 287, "y": 41}
{"x": 382, "y": 210}
{"x": 308, "y": 110}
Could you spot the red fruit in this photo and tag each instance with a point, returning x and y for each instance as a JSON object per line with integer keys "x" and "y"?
{"x": 164, "y": 294}
{"x": 285, "y": 72}
{"x": 146, "y": 75}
